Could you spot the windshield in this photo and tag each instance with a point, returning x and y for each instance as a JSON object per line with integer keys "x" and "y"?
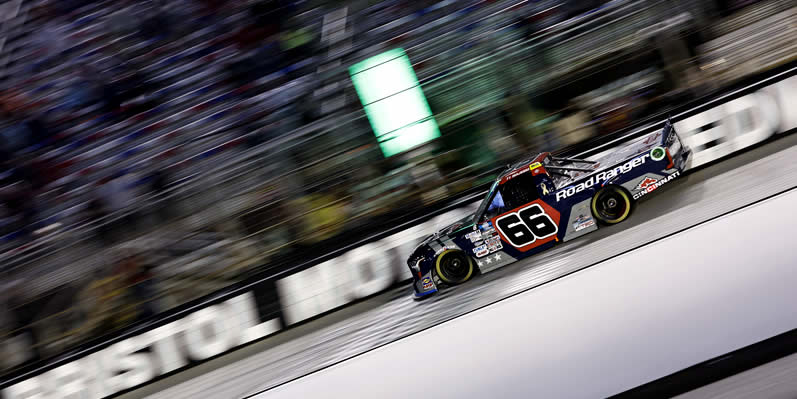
{"x": 486, "y": 201}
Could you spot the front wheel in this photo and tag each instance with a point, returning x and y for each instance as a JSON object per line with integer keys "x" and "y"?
{"x": 611, "y": 205}
{"x": 454, "y": 267}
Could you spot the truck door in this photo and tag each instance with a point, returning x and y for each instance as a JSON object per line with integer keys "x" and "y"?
{"x": 525, "y": 221}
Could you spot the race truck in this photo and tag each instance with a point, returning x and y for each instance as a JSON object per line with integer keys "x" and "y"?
{"x": 543, "y": 201}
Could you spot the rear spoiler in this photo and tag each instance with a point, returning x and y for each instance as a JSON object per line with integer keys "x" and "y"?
{"x": 667, "y": 133}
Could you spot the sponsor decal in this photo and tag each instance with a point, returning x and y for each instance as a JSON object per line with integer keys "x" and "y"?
{"x": 652, "y": 186}
{"x": 474, "y": 236}
{"x": 481, "y": 251}
{"x": 658, "y": 153}
{"x": 494, "y": 244}
{"x": 583, "y": 222}
{"x": 529, "y": 226}
{"x": 601, "y": 177}
{"x": 536, "y": 168}
{"x": 487, "y": 227}
{"x": 514, "y": 174}
{"x": 647, "y": 181}
{"x": 585, "y": 225}
{"x": 427, "y": 283}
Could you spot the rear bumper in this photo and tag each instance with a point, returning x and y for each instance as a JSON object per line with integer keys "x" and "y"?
{"x": 685, "y": 161}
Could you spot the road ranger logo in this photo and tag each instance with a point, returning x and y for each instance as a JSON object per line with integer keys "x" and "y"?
{"x": 601, "y": 177}
{"x": 650, "y": 187}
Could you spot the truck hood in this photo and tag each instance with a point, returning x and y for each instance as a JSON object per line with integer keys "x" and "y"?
{"x": 465, "y": 222}
{"x": 424, "y": 249}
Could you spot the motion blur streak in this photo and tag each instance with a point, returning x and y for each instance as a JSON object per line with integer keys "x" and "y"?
{"x": 156, "y": 156}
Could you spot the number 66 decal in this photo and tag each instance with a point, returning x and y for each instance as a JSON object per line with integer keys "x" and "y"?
{"x": 525, "y": 226}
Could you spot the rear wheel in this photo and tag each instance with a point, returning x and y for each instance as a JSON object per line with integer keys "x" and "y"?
{"x": 454, "y": 267}
{"x": 611, "y": 205}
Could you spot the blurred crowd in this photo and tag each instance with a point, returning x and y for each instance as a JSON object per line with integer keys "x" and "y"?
{"x": 153, "y": 152}
{"x": 88, "y": 65}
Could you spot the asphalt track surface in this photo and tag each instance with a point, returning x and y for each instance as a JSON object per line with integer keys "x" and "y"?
{"x": 694, "y": 198}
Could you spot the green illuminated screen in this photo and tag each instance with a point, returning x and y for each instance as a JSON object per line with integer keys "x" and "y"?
{"x": 394, "y": 102}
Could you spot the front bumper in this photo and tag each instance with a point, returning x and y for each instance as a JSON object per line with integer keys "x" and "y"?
{"x": 424, "y": 286}
{"x": 421, "y": 268}
{"x": 423, "y": 295}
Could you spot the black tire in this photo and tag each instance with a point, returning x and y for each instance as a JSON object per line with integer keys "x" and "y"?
{"x": 611, "y": 205}
{"x": 454, "y": 267}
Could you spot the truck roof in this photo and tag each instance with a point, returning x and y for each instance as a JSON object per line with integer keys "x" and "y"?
{"x": 521, "y": 165}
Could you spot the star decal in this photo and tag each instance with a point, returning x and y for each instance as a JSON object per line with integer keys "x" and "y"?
{"x": 497, "y": 257}
{"x": 478, "y": 262}
{"x": 488, "y": 260}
